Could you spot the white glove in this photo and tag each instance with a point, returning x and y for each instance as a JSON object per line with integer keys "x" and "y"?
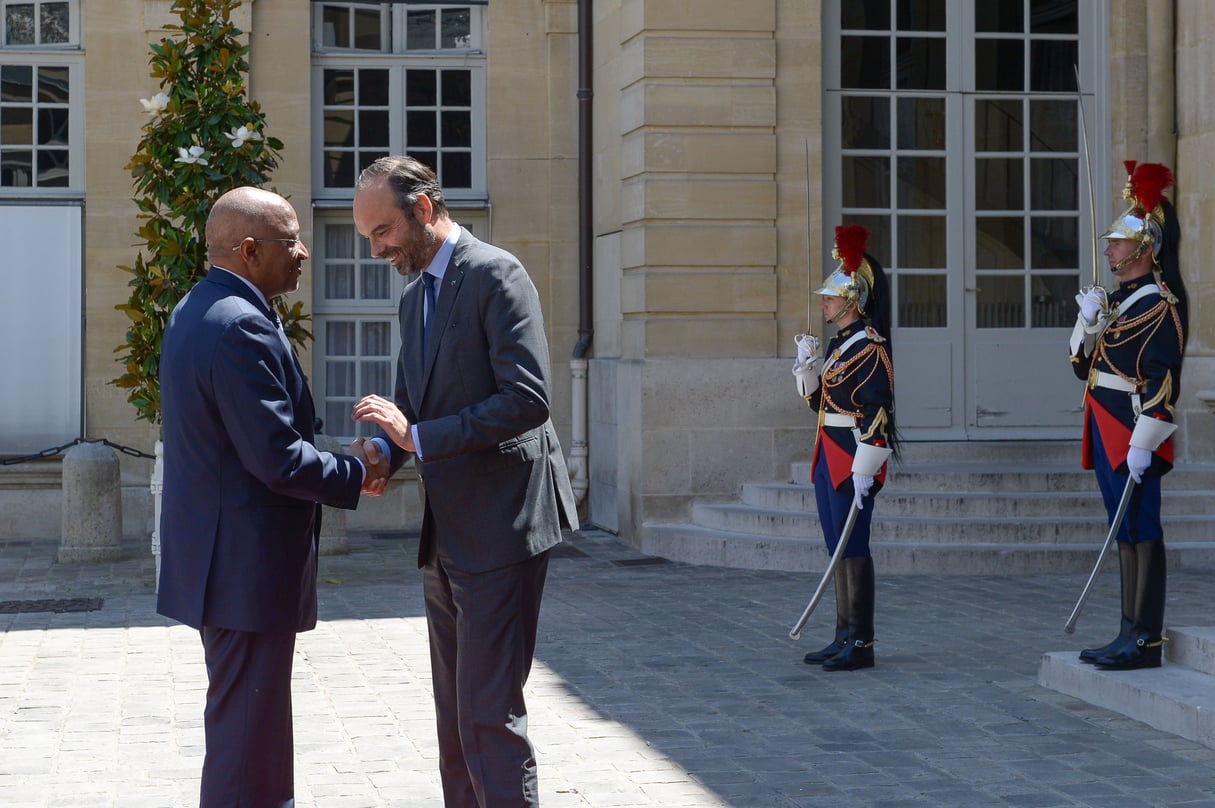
{"x": 1137, "y": 461}
{"x": 860, "y": 489}
{"x": 807, "y": 346}
{"x": 805, "y": 376}
{"x": 1092, "y": 304}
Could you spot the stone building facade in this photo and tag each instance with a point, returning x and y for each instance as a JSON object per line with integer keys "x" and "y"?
{"x": 725, "y": 142}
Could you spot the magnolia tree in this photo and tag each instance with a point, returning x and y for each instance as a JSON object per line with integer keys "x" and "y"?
{"x": 202, "y": 138}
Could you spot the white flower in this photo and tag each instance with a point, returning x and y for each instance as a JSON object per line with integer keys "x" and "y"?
{"x": 156, "y": 104}
{"x": 194, "y": 154}
{"x": 239, "y": 136}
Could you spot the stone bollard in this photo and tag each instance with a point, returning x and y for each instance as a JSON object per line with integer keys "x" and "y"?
{"x": 334, "y": 538}
{"x": 92, "y": 505}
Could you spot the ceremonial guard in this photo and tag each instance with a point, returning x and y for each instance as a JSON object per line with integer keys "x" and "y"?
{"x": 1128, "y": 347}
{"x": 853, "y": 394}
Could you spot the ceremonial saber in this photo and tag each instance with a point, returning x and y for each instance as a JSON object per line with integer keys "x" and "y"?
{"x": 1119, "y": 516}
{"x": 1088, "y": 165}
{"x": 795, "y": 633}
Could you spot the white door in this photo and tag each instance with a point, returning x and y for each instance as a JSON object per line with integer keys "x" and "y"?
{"x": 952, "y": 130}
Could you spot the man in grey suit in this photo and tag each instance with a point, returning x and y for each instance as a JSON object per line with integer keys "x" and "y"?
{"x": 472, "y": 403}
{"x": 243, "y": 485}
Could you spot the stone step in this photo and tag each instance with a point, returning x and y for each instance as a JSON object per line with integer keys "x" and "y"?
{"x": 694, "y": 544}
{"x": 996, "y": 504}
{"x": 1175, "y": 698}
{"x": 889, "y": 527}
{"x": 961, "y": 477}
{"x": 990, "y": 452}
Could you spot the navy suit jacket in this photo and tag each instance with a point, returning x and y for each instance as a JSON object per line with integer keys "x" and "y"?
{"x": 242, "y": 479}
{"x": 497, "y": 489}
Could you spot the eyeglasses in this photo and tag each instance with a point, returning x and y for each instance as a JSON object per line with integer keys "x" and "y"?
{"x": 294, "y": 242}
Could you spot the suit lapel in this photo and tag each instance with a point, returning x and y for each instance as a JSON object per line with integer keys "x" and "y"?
{"x": 453, "y": 278}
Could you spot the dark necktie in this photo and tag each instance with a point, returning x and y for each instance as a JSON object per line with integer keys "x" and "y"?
{"x": 428, "y": 281}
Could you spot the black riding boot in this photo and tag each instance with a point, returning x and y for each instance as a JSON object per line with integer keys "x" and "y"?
{"x": 1142, "y": 648}
{"x": 840, "y": 582}
{"x": 858, "y": 650}
{"x": 1126, "y": 564}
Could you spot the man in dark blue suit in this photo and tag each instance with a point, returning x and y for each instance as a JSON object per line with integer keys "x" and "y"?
{"x": 243, "y": 485}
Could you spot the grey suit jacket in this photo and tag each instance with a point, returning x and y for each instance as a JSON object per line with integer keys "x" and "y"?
{"x": 242, "y": 478}
{"x": 497, "y": 489}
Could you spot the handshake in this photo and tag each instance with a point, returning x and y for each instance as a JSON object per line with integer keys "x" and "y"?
{"x": 389, "y": 417}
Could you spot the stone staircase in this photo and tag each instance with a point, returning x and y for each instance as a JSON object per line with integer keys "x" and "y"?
{"x": 966, "y": 508}
{"x": 1178, "y": 697}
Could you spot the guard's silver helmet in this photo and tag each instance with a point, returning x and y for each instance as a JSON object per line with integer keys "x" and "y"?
{"x": 1143, "y": 221}
{"x": 853, "y": 278}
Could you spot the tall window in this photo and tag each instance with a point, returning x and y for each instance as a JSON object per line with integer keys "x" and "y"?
{"x": 41, "y": 118}
{"x": 936, "y": 90}
{"x": 388, "y": 78}
{"x": 400, "y": 77}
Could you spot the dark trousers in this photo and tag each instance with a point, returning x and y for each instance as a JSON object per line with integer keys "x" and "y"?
{"x": 482, "y": 637}
{"x": 247, "y": 721}
{"x": 1142, "y": 522}
{"x": 833, "y": 506}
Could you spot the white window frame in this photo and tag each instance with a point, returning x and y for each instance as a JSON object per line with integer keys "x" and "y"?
{"x": 73, "y": 42}
{"x": 396, "y": 59}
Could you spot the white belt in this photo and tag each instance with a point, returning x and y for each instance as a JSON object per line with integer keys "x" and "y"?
{"x": 1111, "y": 382}
{"x": 839, "y": 419}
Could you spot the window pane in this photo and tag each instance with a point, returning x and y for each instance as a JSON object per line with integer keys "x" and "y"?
{"x": 1000, "y": 65}
{"x": 879, "y": 234}
{"x": 339, "y": 282}
{"x": 922, "y": 242}
{"x": 339, "y": 241}
{"x": 420, "y": 30}
{"x": 16, "y": 126}
{"x": 339, "y": 128}
{"x": 373, "y": 88}
{"x": 866, "y": 122}
{"x": 999, "y": 184}
{"x": 340, "y": 380}
{"x": 1054, "y": 184}
{"x": 1054, "y": 242}
{"x": 53, "y": 85}
{"x": 866, "y": 15}
{"x": 921, "y": 63}
{"x": 1053, "y": 299}
{"x": 52, "y": 127}
{"x": 54, "y": 20}
{"x": 19, "y": 25}
{"x": 373, "y": 128}
{"x": 457, "y": 88}
{"x": 456, "y": 170}
{"x": 457, "y": 129}
{"x": 335, "y": 27}
{"x": 1000, "y": 242}
{"x": 457, "y": 29}
{"x": 339, "y": 87}
{"x": 1052, "y": 66}
{"x": 420, "y": 129}
{"x": 865, "y": 62}
{"x": 999, "y": 125}
{"x": 339, "y": 169}
{"x": 921, "y": 15}
{"x": 53, "y": 168}
{"x": 866, "y": 182}
{"x": 1001, "y": 301}
{"x": 1053, "y": 126}
{"x": 922, "y": 123}
{"x": 17, "y": 83}
{"x": 377, "y": 378}
{"x": 16, "y": 168}
{"x": 377, "y": 339}
{"x": 1052, "y": 17}
{"x": 421, "y": 88}
{"x": 921, "y": 182}
{"x": 921, "y": 301}
{"x": 377, "y": 284}
{"x": 339, "y": 338}
{"x": 1001, "y": 16}
{"x": 368, "y": 33}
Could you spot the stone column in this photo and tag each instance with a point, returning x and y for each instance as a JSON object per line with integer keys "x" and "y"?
{"x": 92, "y": 505}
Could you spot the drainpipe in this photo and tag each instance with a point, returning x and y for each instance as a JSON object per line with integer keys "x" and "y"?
{"x": 1162, "y": 79}
{"x": 578, "y": 460}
